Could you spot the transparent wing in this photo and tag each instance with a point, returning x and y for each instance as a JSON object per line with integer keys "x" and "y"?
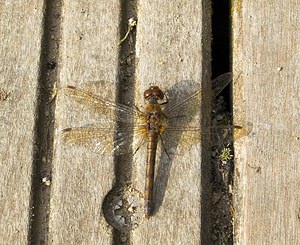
{"x": 177, "y": 140}
{"x": 115, "y": 136}
{"x": 111, "y": 110}
{"x": 219, "y": 83}
{"x": 186, "y": 108}
{"x": 184, "y": 125}
{"x": 180, "y": 139}
{"x": 106, "y": 141}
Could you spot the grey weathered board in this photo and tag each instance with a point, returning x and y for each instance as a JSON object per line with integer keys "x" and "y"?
{"x": 20, "y": 34}
{"x": 171, "y": 44}
{"x": 266, "y": 49}
{"x": 173, "y": 47}
{"x": 82, "y": 178}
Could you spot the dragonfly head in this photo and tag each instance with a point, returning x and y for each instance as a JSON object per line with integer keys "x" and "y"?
{"x": 153, "y": 94}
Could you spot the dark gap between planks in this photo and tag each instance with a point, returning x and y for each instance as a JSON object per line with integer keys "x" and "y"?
{"x": 125, "y": 95}
{"x": 44, "y": 125}
{"x": 221, "y": 174}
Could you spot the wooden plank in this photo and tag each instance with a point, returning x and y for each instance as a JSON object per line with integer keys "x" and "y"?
{"x": 266, "y": 51}
{"x": 20, "y": 33}
{"x": 81, "y": 177}
{"x": 173, "y": 48}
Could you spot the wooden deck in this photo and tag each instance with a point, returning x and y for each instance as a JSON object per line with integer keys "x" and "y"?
{"x": 266, "y": 51}
{"x": 54, "y": 193}
{"x": 21, "y": 34}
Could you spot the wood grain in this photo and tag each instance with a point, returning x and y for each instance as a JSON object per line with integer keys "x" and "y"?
{"x": 173, "y": 48}
{"x": 81, "y": 177}
{"x": 266, "y": 51}
{"x": 20, "y": 33}
{"x": 173, "y": 51}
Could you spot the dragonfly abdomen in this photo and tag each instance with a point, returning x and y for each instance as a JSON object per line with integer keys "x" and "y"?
{"x": 150, "y": 167}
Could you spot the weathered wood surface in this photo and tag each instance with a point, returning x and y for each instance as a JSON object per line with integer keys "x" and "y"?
{"x": 266, "y": 51}
{"x": 20, "y": 33}
{"x": 81, "y": 177}
{"x": 172, "y": 51}
{"x": 171, "y": 43}
{"x": 173, "y": 47}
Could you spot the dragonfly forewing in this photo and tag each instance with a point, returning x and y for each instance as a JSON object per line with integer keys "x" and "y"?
{"x": 106, "y": 141}
{"x": 114, "y": 135}
{"x": 110, "y": 110}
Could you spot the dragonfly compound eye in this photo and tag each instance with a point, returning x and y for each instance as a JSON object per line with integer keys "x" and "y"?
{"x": 154, "y": 92}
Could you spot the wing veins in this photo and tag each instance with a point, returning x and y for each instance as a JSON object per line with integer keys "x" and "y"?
{"x": 99, "y": 104}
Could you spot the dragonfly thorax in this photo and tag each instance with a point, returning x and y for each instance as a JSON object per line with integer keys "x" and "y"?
{"x": 155, "y": 120}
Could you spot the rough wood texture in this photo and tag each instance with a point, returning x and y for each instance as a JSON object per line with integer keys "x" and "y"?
{"x": 266, "y": 51}
{"x": 173, "y": 51}
{"x": 81, "y": 177}
{"x": 171, "y": 48}
{"x": 20, "y": 35}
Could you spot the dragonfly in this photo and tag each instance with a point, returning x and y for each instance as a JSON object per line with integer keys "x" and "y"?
{"x": 131, "y": 126}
